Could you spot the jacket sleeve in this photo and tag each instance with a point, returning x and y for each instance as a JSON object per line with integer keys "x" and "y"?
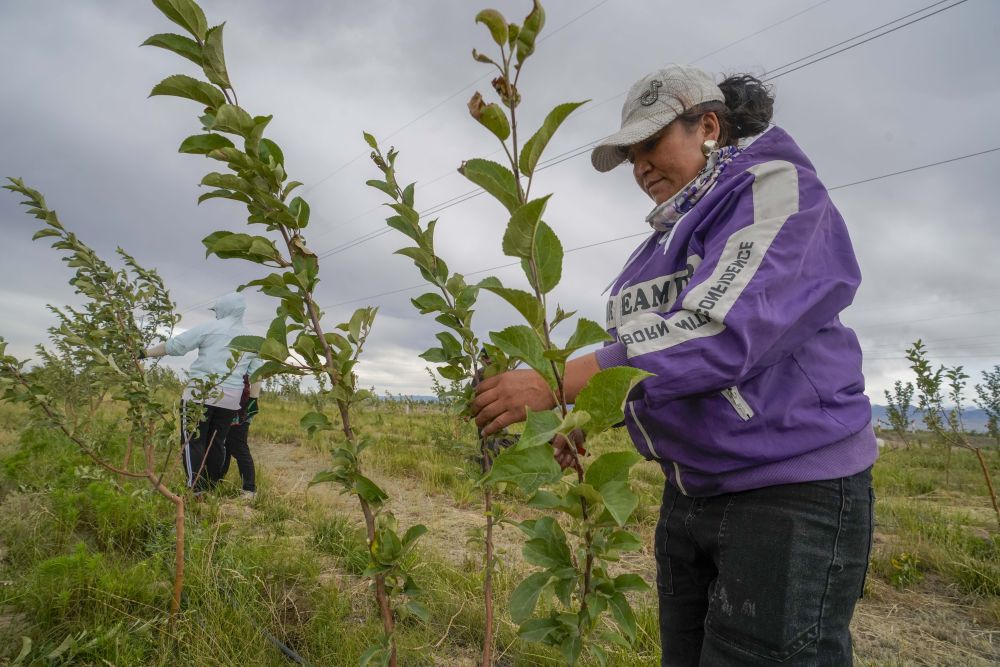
{"x": 777, "y": 269}
{"x": 181, "y": 344}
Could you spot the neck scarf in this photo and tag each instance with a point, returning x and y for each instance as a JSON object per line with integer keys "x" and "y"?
{"x": 665, "y": 215}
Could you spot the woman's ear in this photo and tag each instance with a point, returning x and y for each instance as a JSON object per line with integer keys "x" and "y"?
{"x": 710, "y": 127}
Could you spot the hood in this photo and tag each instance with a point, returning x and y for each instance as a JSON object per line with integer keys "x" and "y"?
{"x": 230, "y": 305}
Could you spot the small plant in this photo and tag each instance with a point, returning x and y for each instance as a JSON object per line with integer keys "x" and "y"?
{"x": 934, "y": 386}
{"x": 297, "y": 341}
{"x": 988, "y": 400}
{"x": 898, "y": 410}
{"x": 124, "y": 311}
{"x": 905, "y": 570}
{"x": 571, "y": 551}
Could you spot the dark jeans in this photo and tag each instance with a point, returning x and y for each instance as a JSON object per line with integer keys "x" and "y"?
{"x": 204, "y": 453}
{"x": 763, "y": 577}
{"x": 237, "y": 448}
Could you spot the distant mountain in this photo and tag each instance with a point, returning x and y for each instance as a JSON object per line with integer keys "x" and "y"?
{"x": 975, "y": 420}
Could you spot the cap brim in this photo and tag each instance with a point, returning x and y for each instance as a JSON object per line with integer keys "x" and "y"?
{"x": 612, "y": 151}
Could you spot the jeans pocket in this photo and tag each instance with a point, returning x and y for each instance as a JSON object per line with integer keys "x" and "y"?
{"x": 777, "y": 547}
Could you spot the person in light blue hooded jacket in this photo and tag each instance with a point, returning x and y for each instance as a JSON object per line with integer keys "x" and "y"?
{"x": 204, "y": 453}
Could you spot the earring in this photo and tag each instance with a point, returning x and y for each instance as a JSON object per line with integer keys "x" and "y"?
{"x": 708, "y": 147}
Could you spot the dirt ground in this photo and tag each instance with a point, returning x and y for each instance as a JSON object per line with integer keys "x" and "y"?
{"x": 930, "y": 626}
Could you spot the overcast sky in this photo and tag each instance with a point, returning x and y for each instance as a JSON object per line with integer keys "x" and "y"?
{"x": 77, "y": 125}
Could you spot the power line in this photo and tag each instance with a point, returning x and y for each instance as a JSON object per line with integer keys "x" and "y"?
{"x": 864, "y": 41}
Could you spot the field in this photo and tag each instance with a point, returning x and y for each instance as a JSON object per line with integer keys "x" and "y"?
{"x": 85, "y": 559}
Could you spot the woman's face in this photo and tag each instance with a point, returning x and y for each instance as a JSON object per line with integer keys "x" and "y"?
{"x": 672, "y": 157}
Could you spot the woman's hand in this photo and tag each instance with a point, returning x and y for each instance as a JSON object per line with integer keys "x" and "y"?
{"x": 501, "y": 400}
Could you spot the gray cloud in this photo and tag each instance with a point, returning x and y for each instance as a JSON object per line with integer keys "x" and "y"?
{"x": 79, "y": 128}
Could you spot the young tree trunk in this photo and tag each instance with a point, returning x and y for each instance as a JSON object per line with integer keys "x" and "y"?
{"x": 989, "y": 482}
{"x": 488, "y": 579}
{"x": 388, "y": 624}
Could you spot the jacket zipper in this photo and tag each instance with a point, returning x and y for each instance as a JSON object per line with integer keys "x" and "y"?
{"x": 652, "y": 451}
{"x": 735, "y": 398}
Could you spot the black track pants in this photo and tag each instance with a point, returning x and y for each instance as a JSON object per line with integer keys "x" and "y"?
{"x": 237, "y": 448}
{"x": 204, "y": 453}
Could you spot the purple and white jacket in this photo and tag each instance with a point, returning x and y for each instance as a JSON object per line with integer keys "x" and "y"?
{"x": 757, "y": 382}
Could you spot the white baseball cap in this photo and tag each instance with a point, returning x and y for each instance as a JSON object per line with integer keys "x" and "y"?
{"x": 652, "y": 103}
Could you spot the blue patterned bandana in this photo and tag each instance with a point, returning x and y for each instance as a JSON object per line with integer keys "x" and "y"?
{"x": 665, "y": 215}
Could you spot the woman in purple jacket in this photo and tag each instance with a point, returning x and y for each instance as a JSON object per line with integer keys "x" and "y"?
{"x": 757, "y": 412}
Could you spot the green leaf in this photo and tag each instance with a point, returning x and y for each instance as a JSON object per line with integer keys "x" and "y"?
{"x": 537, "y": 629}
{"x": 370, "y": 140}
{"x": 622, "y": 540}
{"x": 429, "y": 302}
{"x": 524, "y": 598}
{"x": 611, "y": 467}
{"x": 539, "y": 428}
{"x": 519, "y": 238}
{"x": 181, "y": 85}
{"x": 604, "y": 396}
{"x": 527, "y": 468}
{"x": 570, "y": 648}
{"x": 246, "y": 344}
{"x": 227, "y": 182}
{"x": 619, "y": 501}
{"x": 315, "y": 421}
{"x": 548, "y": 255}
{"x": 299, "y": 209}
{"x": 548, "y": 547}
{"x": 496, "y": 179}
{"x": 233, "y": 119}
{"x": 275, "y": 350}
{"x": 536, "y": 144}
{"x": 587, "y": 333}
{"x": 383, "y": 186}
{"x": 413, "y": 534}
{"x": 269, "y": 149}
{"x": 418, "y": 610}
{"x": 490, "y": 116}
{"x": 496, "y": 23}
{"x": 214, "y": 64}
{"x": 179, "y": 44}
{"x": 528, "y": 33}
{"x": 521, "y": 342}
{"x": 185, "y": 13}
{"x": 524, "y": 302}
{"x": 623, "y": 615}
{"x": 224, "y": 194}
{"x": 369, "y": 490}
{"x": 44, "y": 232}
{"x": 630, "y": 582}
{"x": 204, "y": 143}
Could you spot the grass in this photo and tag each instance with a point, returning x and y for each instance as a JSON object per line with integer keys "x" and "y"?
{"x": 85, "y": 559}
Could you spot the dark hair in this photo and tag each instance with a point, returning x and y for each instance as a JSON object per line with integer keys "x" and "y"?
{"x": 747, "y": 111}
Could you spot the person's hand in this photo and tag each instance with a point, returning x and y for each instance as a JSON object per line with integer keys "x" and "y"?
{"x": 567, "y": 452}
{"x": 501, "y": 400}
